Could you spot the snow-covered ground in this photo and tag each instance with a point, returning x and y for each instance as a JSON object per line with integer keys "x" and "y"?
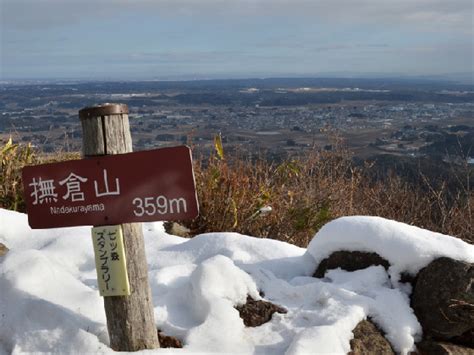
{"x": 49, "y": 300}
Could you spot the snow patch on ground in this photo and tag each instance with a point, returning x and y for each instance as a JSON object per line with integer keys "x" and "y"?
{"x": 49, "y": 300}
{"x": 407, "y": 248}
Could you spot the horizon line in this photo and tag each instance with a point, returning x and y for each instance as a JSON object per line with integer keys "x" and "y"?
{"x": 454, "y": 76}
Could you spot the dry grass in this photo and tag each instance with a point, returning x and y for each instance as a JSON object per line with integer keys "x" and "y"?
{"x": 307, "y": 192}
{"x": 13, "y": 158}
{"x": 304, "y": 193}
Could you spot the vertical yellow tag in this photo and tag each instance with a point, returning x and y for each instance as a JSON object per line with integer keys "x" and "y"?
{"x": 110, "y": 261}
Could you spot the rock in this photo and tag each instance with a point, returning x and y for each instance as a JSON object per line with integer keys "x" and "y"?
{"x": 350, "y": 261}
{"x": 3, "y": 249}
{"x": 443, "y": 299}
{"x": 407, "y": 278}
{"x": 177, "y": 229}
{"x": 255, "y": 313}
{"x": 167, "y": 341}
{"x": 368, "y": 339}
{"x": 467, "y": 339}
{"x": 430, "y": 347}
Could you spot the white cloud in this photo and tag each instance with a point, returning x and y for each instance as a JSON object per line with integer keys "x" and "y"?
{"x": 316, "y": 34}
{"x": 439, "y": 15}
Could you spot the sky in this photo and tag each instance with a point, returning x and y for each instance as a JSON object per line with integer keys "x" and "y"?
{"x": 186, "y": 39}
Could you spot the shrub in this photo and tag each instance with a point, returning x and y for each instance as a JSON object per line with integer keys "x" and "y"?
{"x": 291, "y": 200}
{"x": 13, "y": 158}
{"x": 306, "y": 192}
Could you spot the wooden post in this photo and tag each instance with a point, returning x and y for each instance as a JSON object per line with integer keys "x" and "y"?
{"x": 130, "y": 319}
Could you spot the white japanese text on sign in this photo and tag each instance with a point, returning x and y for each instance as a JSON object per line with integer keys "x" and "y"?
{"x": 134, "y": 187}
{"x": 44, "y": 191}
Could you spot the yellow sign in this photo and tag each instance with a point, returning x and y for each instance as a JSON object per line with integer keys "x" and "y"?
{"x": 110, "y": 261}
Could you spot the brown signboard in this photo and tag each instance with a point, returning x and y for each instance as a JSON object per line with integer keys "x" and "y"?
{"x": 154, "y": 185}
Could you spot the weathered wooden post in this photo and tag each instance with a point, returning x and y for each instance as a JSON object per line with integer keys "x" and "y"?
{"x": 130, "y": 319}
{"x": 113, "y": 192}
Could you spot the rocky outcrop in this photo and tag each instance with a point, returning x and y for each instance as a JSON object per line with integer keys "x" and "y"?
{"x": 368, "y": 339}
{"x": 466, "y": 339}
{"x": 430, "y": 347}
{"x": 350, "y": 261}
{"x": 177, "y": 229}
{"x": 443, "y": 299}
{"x": 255, "y": 313}
{"x": 3, "y": 249}
{"x": 167, "y": 341}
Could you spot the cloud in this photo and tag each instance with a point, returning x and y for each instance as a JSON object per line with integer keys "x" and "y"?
{"x": 431, "y": 15}
{"x": 45, "y": 14}
{"x": 232, "y": 35}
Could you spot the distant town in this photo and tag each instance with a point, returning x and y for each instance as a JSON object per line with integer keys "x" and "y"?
{"x": 273, "y": 117}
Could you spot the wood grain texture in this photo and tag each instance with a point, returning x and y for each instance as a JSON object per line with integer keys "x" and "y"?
{"x": 92, "y": 137}
{"x": 130, "y": 319}
{"x": 117, "y": 134}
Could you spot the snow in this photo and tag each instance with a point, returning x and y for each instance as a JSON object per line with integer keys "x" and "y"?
{"x": 407, "y": 248}
{"x": 49, "y": 300}
{"x": 217, "y": 285}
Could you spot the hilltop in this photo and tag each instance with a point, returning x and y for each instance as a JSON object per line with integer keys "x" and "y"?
{"x": 49, "y": 299}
